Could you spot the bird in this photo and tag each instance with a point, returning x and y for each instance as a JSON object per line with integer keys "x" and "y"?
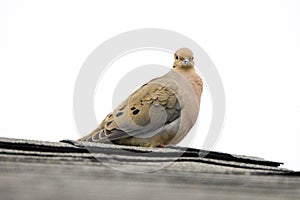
{"x": 159, "y": 113}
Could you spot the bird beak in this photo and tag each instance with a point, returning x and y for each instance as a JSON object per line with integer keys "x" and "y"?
{"x": 186, "y": 61}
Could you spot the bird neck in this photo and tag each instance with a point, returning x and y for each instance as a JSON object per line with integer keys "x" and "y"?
{"x": 184, "y": 70}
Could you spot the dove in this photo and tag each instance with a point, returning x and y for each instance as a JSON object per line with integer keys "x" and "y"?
{"x": 159, "y": 113}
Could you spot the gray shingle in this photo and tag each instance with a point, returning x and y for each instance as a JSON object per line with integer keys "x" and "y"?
{"x": 56, "y": 170}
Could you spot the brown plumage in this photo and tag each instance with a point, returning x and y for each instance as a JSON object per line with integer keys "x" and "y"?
{"x": 160, "y": 112}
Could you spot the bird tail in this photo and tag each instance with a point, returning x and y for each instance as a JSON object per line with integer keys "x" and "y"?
{"x": 89, "y": 137}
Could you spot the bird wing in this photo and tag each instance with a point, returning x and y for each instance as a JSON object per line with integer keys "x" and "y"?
{"x": 142, "y": 114}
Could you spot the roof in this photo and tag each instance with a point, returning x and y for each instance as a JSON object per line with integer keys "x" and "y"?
{"x": 72, "y": 170}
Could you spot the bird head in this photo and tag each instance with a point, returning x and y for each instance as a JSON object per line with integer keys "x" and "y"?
{"x": 183, "y": 59}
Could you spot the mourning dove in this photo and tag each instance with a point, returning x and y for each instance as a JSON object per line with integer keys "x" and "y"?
{"x": 159, "y": 113}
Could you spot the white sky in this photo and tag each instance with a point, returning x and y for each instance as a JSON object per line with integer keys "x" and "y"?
{"x": 255, "y": 46}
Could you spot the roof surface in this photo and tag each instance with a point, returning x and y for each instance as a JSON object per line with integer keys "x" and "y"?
{"x": 72, "y": 170}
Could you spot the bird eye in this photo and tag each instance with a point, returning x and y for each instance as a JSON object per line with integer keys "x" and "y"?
{"x": 192, "y": 58}
{"x": 176, "y": 57}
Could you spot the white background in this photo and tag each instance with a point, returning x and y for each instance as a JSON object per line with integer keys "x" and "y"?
{"x": 255, "y": 46}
